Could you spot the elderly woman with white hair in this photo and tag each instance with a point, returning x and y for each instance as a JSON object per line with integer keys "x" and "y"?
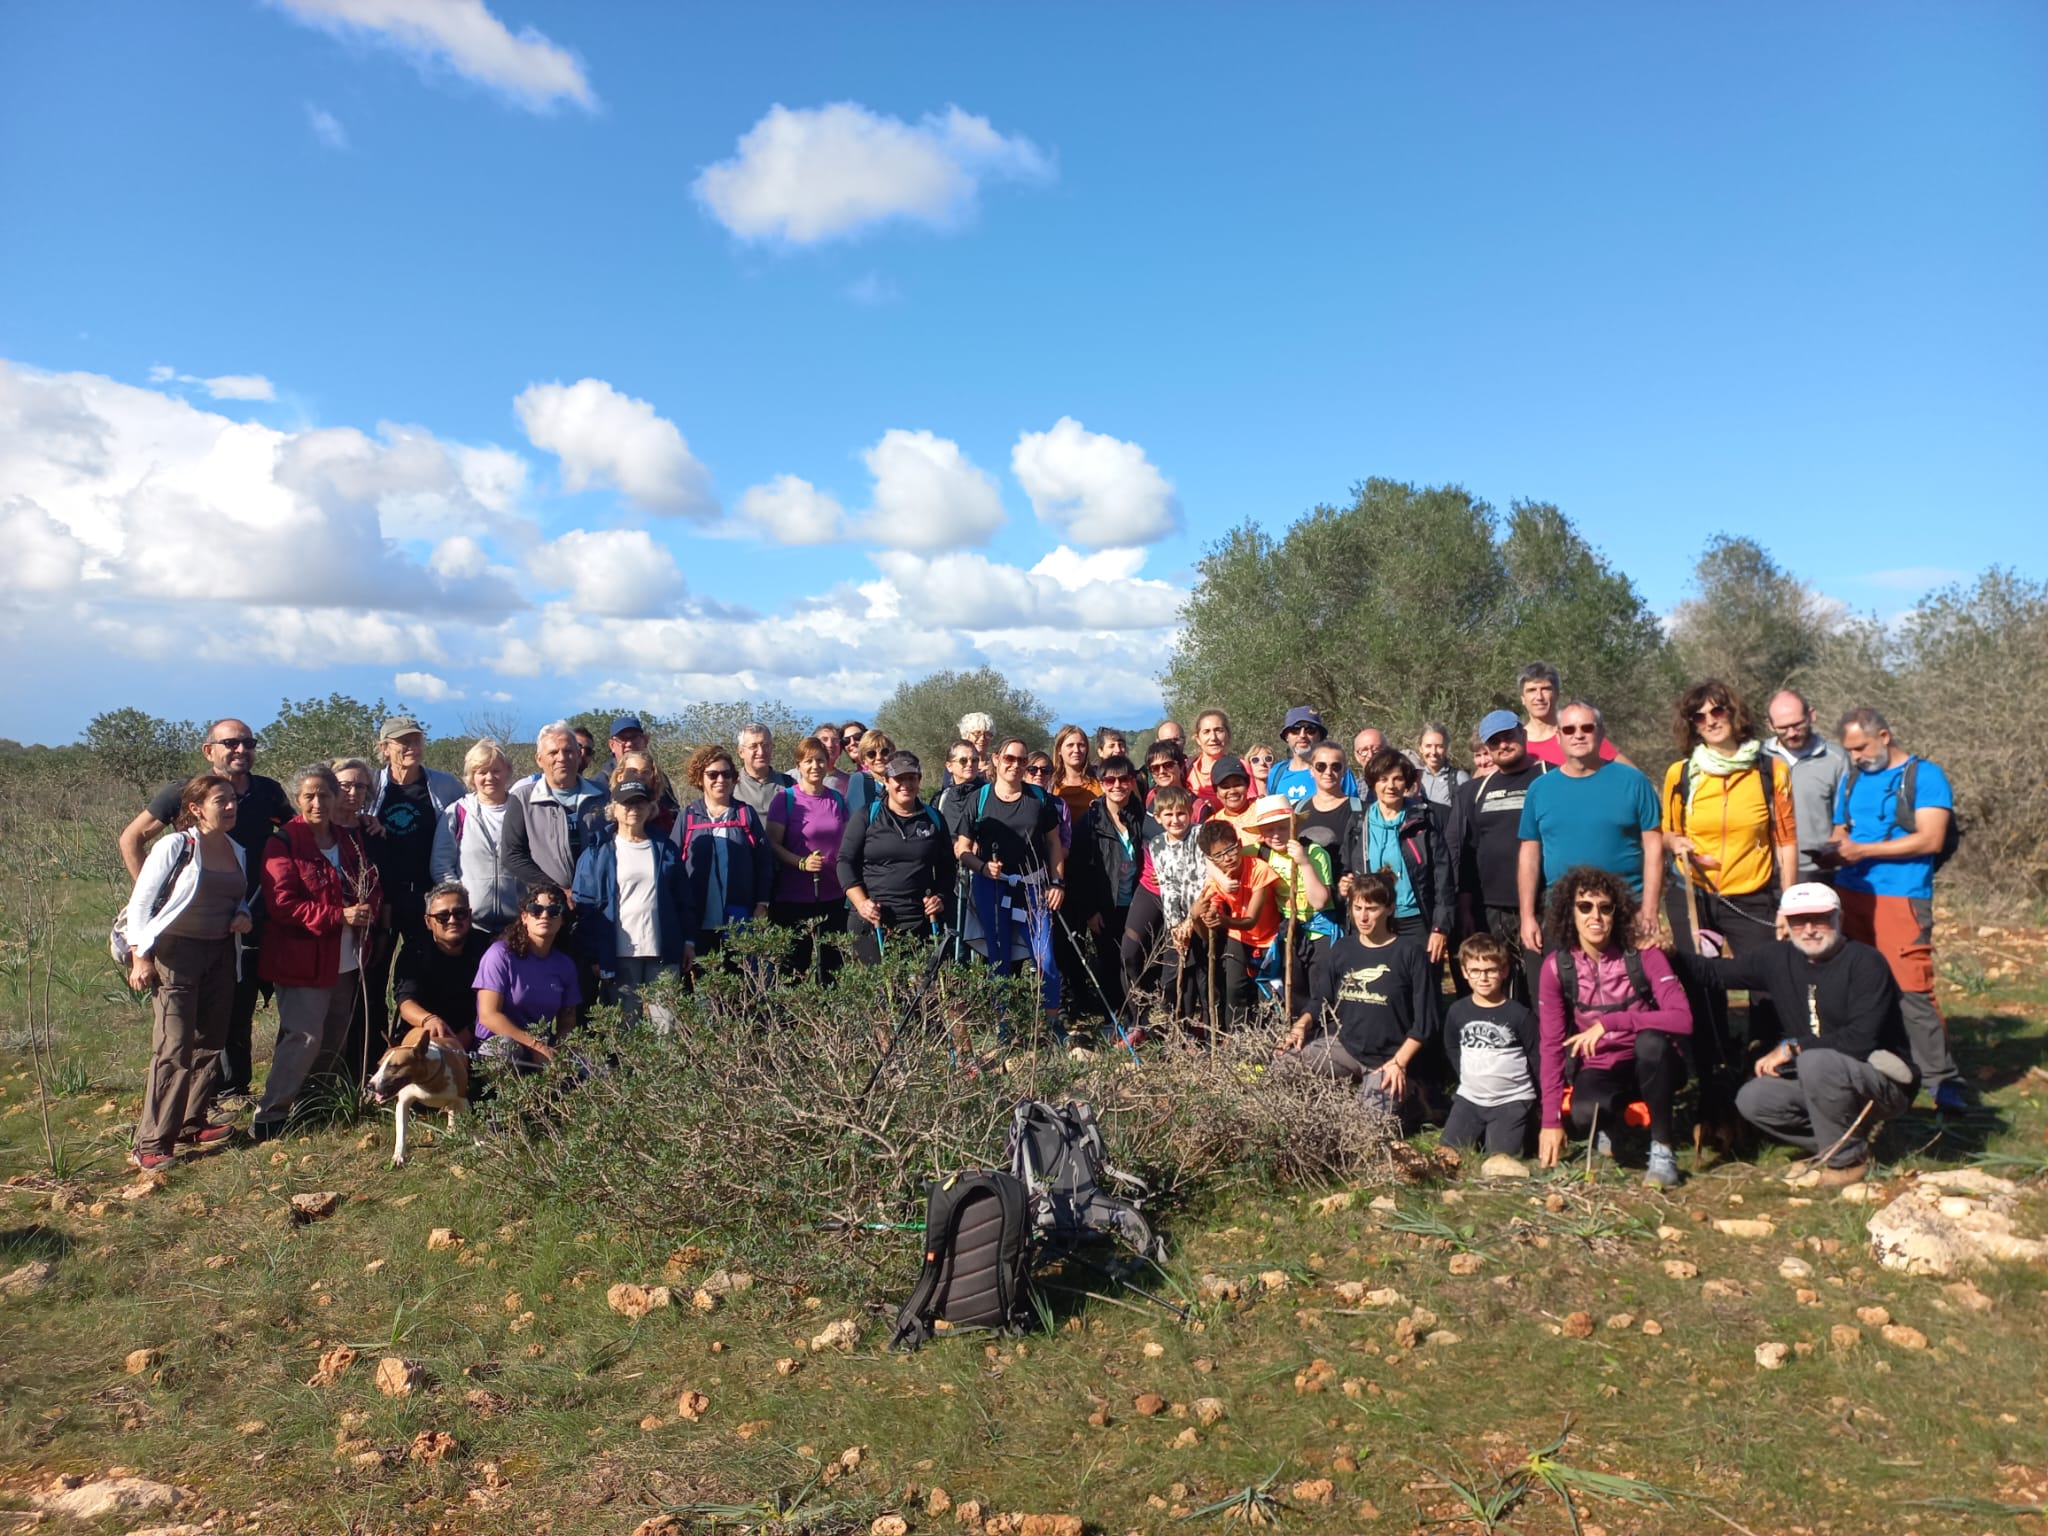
{"x": 469, "y": 840}
{"x": 979, "y": 727}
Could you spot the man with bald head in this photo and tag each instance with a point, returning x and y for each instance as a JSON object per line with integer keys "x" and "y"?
{"x": 261, "y": 807}
{"x": 1815, "y": 765}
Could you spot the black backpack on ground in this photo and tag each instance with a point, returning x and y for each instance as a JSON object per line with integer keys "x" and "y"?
{"x": 977, "y": 1258}
{"x": 1056, "y": 1151}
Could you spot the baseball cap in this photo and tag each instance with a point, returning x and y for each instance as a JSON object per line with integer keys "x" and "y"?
{"x": 1809, "y": 898}
{"x": 901, "y": 763}
{"x": 1227, "y": 766}
{"x": 627, "y": 723}
{"x": 631, "y": 789}
{"x": 1497, "y": 721}
{"x": 1301, "y": 714}
{"x": 397, "y": 726}
{"x": 1270, "y": 808}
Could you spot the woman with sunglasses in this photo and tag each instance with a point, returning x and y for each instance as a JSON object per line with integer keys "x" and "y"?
{"x": 1258, "y": 762}
{"x": 868, "y": 783}
{"x": 728, "y": 865}
{"x": 322, "y": 894}
{"x": 528, "y": 987}
{"x": 1610, "y": 1020}
{"x": 1729, "y": 829}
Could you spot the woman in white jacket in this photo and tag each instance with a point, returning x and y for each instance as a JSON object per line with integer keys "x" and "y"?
{"x": 186, "y": 918}
{"x": 468, "y": 840}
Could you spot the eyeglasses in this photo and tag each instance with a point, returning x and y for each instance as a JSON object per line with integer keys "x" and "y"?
{"x": 1594, "y": 908}
{"x": 232, "y": 742}
{"x": 1577, "y": 730}
{"x": 455, "y": 915}
{"x": 1710, "y": 712}
{"x": 718, "y": 774}
{"x": 545, "y": 911}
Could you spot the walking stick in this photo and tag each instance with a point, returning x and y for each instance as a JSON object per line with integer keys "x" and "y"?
{"x": 1209, "y": 940}
{"x": 1293, "y": 902}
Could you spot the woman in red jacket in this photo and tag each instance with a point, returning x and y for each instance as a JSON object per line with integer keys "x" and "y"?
{"x": 320, "y": 890}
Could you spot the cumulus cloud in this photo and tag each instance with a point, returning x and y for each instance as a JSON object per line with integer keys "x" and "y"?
{"x": 326, "y": 127}
{"x": 604, "y": 437}
{"x": 789, "y": 510}
{"x": 614, "y": 571}
{"x": 928, "y": 494}
{"x": 459, "y": 35}
{"x": 425, "y": 687}
{"x": 811, "y": 174}
{"x": 225, "y": 386}
{"x": 969, "y": 591}
{"x": 42, "y": 556}
{"x": 1097, "y": 490}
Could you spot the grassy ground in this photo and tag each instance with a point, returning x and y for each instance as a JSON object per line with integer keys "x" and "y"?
{"x": 562, "y": 1415}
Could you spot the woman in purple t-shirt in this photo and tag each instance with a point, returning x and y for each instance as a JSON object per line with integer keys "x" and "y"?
{"x": 805, "y": 825}
{"x": 527, "y": 990}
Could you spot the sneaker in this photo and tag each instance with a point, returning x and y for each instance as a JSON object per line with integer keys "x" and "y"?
{"x": 151, "y": 1162}
{"x": 1950, "y": 1098}
{"x": 1842, "y": 1178}
{"x": 234, "y": 1101}
{"x": 211, "y": 1136}
{"x": 1663, "y": 1166}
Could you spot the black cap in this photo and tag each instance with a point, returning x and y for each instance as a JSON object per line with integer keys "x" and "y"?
{"x": 631, "y": 789}
{"x": 1228, "y": 766}
{"x": 901, "y": 763}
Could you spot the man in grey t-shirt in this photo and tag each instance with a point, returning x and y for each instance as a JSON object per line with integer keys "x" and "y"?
{"x": 759, "y": 782}
{"x": 1816, "y": 766}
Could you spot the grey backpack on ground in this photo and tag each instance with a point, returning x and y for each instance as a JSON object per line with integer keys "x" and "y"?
{"x": 1057, "y": 1151}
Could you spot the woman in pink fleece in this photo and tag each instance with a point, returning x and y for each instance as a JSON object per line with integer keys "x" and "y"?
{"x": 1610, "y": 1019}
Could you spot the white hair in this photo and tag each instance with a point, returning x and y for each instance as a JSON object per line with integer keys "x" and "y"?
{"x": 979, "y": 720}
{"x": 552, "y": 728}
{"x": 752, "y": 728}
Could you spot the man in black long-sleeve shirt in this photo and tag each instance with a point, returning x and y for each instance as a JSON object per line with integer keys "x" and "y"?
{"x": 1845, "y": 1049}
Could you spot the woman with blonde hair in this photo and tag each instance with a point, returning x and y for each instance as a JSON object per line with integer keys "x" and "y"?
{"x": 728, "y": 867}
{"x": 1072, "y": 779}
{"x": 468, "y": 840}
{"x": 640, "y": 767}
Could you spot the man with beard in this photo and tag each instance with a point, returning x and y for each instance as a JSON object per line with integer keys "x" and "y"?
{"x": 1845, "y": 1065}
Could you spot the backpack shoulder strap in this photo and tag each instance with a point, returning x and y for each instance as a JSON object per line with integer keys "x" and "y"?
{"x": 1683, "y": 792}
{"x": 1638, "y": 978}
{"x": 1568, "y": 984}
{"x": 1906, "y": 809}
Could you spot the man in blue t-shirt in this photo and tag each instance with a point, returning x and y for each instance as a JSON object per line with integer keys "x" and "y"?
{"x": 1886, "y": 876}
{"x": 1303, "y": 731}
{"x": 1591, "y": 811}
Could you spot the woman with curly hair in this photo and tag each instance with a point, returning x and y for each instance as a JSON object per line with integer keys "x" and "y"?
{"x": 1610, "y": 1019}
{"x": 728, "y": 862}
{"x": 528, "y": 988}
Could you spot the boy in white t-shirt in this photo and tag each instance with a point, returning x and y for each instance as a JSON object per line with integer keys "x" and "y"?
{"x": 1491, "y": 1040}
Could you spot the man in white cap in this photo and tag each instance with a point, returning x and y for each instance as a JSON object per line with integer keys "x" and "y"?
{"x": 1845, "y": 1065}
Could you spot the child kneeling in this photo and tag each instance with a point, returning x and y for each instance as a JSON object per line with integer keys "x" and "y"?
{"x": 1491, "y": 1040}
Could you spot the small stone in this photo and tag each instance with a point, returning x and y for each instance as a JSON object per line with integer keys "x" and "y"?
{"x": 937, "y": 1501}
{"x": 1873, "y": 1317}
{"x": 691, "y": 1405}
{"x": 1553, "y": 1202}
{"x": 1720, "y": 1290}
{"x": 332, "y": 1365}
{"x": 1743, "y": 1226}
{"x": 751, "y": 1428}
{"x": 889, "y": 1525}
{"x": 1966, "y": 1294}
{"x": 1681, "y": 1269}
{"x": 1861, "y": 1194}
{"x": 1314, "y": 1490}
{"x": 968, "y": 1513}
{"x": 1049, "y": 1525}
{"x": 1621, "y": 1322}
{"x": 317, "y": 1206}
{"x": 1315, "y": 1376}
{"x": 443, "y": 1238}
{"x": 1208, "y": 1410}
{"x": 1154, "y": 1350}
{"x": 1794, "y": 1269}
{"x": 1806, "y": 1296}
{"x": 788, "y": 1366}
{"x": 1442, "y": 1338}
{"x": 1186, "y": 1438}
{"x": 1148, "y": 1405}
{"x": 1579, "y": 1326}
{"x": 251, "y": 1427}
{"x": 1652, "y": 1327}
{"x": 1384, "y": 1203}
{"x": 1465, "y": 1263}
{"x": 1901, "y": 1337}
{"x": 1842, "y": 1337}
{"x": 1330, "y": 1205}
{"x": 430, "y": 1447}
{"x": 80, "y": 1499}
{"x": 1385, "y": 1296}
{"x": 842, "y": 1335}
{"x": 398, "y": 1378}
{"x": 1274, "y": 1280}
{"x": 636, "y": 1301}
{"x": 27, "y": 1279}
{"x": 850, "y": 1458}
{"x": 659, "y": 1525}
{"x": 140, "y": 1360}
{"x": 1502, "y": 1166}
{"x": 1669, "y": 1234}
{"x": 1772, "y": 1356}
{"x": 1216, "y": 1288}
{"x": 1452, "y": 1197}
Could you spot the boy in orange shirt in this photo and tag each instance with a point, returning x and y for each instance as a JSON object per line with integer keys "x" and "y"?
{"x": 1238, "y": 912}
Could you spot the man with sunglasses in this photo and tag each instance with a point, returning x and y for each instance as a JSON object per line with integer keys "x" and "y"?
{"x": 261, "y": 807}
{"x": 1592, "y": 811}
{"x": 434, "y": 979}
{"x": 1485, "y": 845}
{"x": 1304, "y": 732}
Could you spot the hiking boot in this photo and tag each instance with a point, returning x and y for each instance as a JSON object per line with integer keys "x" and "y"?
{"x": 211, "y": 1136}
{"x": 151, "y": 1162}
{"x": 234, "y": 1101}
{"x": 1842, "y": 1178}
{"x": 1950, "y": 1099}
{"x": 1662, "y": 1169}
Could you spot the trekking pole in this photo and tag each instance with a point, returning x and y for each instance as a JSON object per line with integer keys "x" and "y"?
{"x": 1293, "y": 902}
{"x": 1123, "y": 1035}
{"x": 1209, "y": 942}
{"x": 1180, "y": 1312}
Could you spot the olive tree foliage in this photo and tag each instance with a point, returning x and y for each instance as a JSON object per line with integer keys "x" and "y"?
{"x": 1750, "y": 622}
{"x": 141, "y": 750}
{"x": 673, "y": 737}
{"x": 320, "y": 730}
{"x": 924, "y": 716}
{"x": 1411, "y": 604}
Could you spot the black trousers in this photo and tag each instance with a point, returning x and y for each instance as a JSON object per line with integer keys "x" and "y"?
{"x": 1655, "y": 1075}
{"x": 1749, "y": 923}
{"x": 810, "y": 959}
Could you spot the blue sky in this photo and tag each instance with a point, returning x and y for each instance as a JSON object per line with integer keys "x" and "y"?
{"x": 351, "y": 341}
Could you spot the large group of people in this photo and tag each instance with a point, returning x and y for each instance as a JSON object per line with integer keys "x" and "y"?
{"x": 1480, "y": 947}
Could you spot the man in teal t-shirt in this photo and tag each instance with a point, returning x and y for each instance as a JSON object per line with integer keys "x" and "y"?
{"x": 1591, "y": 811}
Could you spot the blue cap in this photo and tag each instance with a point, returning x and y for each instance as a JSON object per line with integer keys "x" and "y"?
{"x": 627, "y": 723}
{"x": 1301, "y": 714}
{"x": 1496, "y": 722}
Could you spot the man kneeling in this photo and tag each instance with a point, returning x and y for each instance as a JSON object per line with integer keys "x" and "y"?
{"x": 1845, "y": 1064}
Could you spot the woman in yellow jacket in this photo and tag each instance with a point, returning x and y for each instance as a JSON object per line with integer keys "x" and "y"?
{"x": 1729, "y": 830}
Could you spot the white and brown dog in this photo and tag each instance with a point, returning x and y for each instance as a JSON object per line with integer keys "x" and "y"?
{"x": 424, "y": 1070}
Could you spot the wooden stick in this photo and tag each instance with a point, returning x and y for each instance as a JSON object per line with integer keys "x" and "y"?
{"x": 1293, "y": 901}
{"x": 1855, "y": 1126}
{"x": 1210, "y": 941}
{"x": 1592, "y": 1141}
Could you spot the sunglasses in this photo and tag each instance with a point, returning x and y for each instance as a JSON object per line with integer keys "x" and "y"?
{"x": 1011, "y": 759}
{"x": 246, "y": 742}
{"x": 1038, "y": 772}
{"x": 718, "y": 773}
{"x": 453, "y": 915}
{"x": 1330, "y": 767}
{"x": 1118, "y": 780}
{"x": 1594, "y": 908}
{"x": 1710, "y": 712}
{"x": 543, "y": 910}
{"x": 1577, "y": 730}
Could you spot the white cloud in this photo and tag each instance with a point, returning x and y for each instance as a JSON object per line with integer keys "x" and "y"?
{"x": 928, "y": 494}
{"x": 965, "y": 590}
{"x": 615, "y": 571}
{"x": 425, "y": 687}
{"x": 1097, "y": 490}
{"x": 326, "y": 127}
{"x": 817, "y": 173}
{"x": 793, "y": 511}
{"x": 461, "y": 35}
{"x": 240, "y": 386}
{"x": 459, "y": 558}
{"x": 1914, "y": 578}
{"x": 606, "y": 438}
{"x": 42, "y": 556}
